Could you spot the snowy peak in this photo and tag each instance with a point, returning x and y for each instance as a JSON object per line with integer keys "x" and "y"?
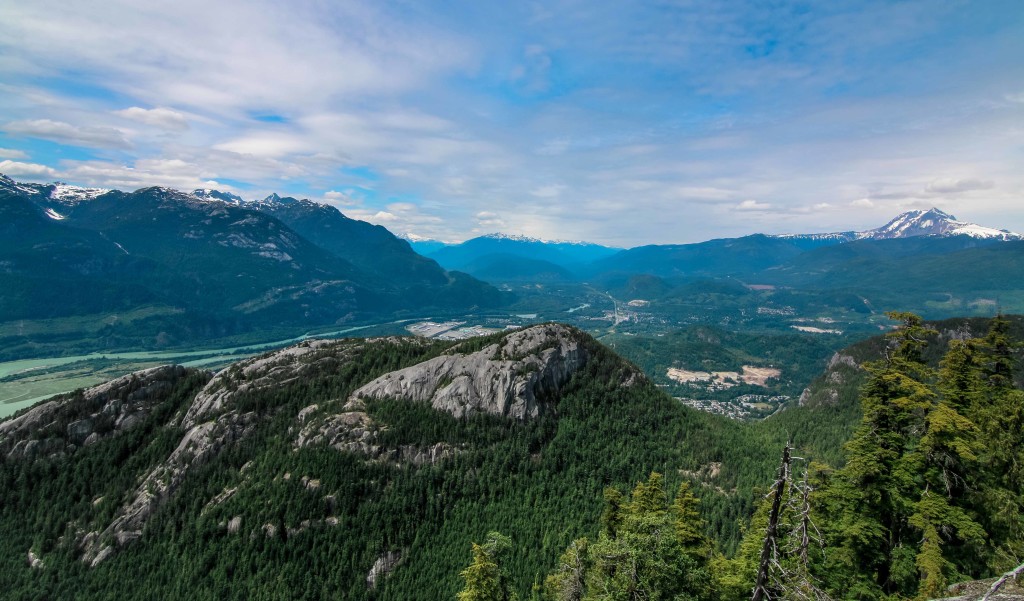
{"x": 10, "y": 184}
{"x": 933, "y": 222}
{"x": 70, "y": 195}
{"x": 531, "y": 240}
{"x": 208, "y": 194}
{"x": 513, "y": 237}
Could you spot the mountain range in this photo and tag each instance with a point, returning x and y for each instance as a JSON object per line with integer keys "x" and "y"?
{"x": 513, "y": 258}
{"x": 504, "y": 257}
{"x": 207, "y": 264}
{"x": 161, "y": 268}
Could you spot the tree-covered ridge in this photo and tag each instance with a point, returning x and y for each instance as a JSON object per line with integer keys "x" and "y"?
{"x": 931, "y": 494}
{"x": 264, "y": 516}
{"x": 367, "y": 513}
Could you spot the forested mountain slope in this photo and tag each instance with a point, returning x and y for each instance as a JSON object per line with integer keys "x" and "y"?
{"x": 279, "y": 478}
{"x": 201, "y": 267}
{"x": 365, "y": 468}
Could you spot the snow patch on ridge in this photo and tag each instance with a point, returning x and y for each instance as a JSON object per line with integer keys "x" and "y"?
{"x": 68, "y": 194}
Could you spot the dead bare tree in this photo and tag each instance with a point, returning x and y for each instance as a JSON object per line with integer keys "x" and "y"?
{"x": 769, "y": 550}
{"x": 797, "y": 582}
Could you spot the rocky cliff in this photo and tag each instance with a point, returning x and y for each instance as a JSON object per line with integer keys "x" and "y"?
{"x": 518, "y": 376}
{"x": 511, "y": 377}
{"x": 72, "y": 421}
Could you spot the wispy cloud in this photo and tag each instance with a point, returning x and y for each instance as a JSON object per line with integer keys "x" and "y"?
{"x": 30, "y": 170}
{"x": 159, "y": 117}
{"x": 957, "y": 186}
{"x": 58, "y": 131}
{"x": 624, "y": 123}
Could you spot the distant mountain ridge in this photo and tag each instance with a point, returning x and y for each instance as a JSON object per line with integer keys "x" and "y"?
{"x": 931, "y": 222}
{"x": 205, "y": 264}
{"x": 512, "y": 257}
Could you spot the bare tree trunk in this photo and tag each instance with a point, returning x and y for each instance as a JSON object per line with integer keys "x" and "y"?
{"x": 805, "y": 520}
{"x": 769, "y": 547}
{"x": 1011, "y": 575}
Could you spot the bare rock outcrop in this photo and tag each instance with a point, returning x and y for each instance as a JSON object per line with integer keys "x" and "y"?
{"x": 841, "y": 370}
{"x": 212, "y": 422}
{"x": 384, "y": 565}
{"x": 354, "y": 431}
{"x": 509, "y": 378}
{"x": 260, "y": 373}
{"x": 975, "y": 589}
{"x": 197, "y": 446}
{"x": 75, "y": 420}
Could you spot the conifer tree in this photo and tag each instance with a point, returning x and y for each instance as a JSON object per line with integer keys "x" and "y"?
{"x": 688, "y": 524}
{"x": 999, "y": 414}
{"x": 641, "y": 557}
{"x": 485, "y": 579}
{"x": 873, "y": 495}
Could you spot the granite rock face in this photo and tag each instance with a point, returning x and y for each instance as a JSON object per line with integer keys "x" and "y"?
{"x": 212, "y": 422}
{"x": 354, "y": 431}
{"x": 260, "y": 373}
{"x": 510, "y": 378}
{"x": 197, "y": 446}
{"x": 384, "y": 565}
{"x": 71, "y": 421}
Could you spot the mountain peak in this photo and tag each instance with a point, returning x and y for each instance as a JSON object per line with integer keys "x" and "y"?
{"x": 933, "y": 222}
{"x": 276, "y": 198}
{"x": 209, "y": 194}
{"x": 532, "y": 240}
{"x": 513, "y": 237}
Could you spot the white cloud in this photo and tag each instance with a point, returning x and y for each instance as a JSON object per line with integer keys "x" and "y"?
{"x": 163, "y": 118}
{"x": 401, "y": 207}
{"x": 341, "y": 199}
{"x": 228, "y": 55}
{"x": 14, "y": 168}
{"x": 863, "y": 203}
{"x": 703, "y": 194}
{"x": 173, "y": 173}
{"x": 101, "y": 137}
{"x": 267, "y": 144}
{"x": 488, "y": 220}
{"x": 957, "y": 186}
{"x": 753, "y": 205}
{"x": 10, "y": 153}
{"x": 384, "y": 216}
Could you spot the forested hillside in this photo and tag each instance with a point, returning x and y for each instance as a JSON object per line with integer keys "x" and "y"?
{"x": 366, "y": 469}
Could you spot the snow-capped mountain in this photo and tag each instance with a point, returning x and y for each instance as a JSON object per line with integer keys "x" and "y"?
{"x": 276, "y": 198}
{"x": 934, "y": 222}
{"x": 208, "y": 194}
{"x": 523, "y": 238}
{"x": 57, "y": 192}
{"x": 68, "y": 194}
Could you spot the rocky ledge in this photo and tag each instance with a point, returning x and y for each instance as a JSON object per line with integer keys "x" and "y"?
{"x": 71, "y": 421}
{"x": 509, "y": 378}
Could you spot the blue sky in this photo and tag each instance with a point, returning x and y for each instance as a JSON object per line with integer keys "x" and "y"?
{"x": 624, "y": 123}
